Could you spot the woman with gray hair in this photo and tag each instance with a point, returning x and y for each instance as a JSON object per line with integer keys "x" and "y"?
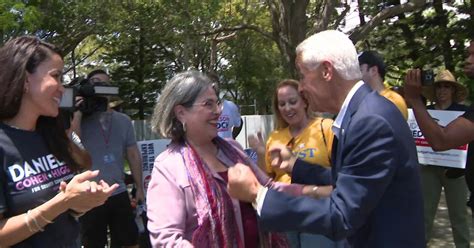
{"x": 188, "y": 204}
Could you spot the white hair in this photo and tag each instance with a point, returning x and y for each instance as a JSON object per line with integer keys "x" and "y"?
{"x": 332, "y": 46}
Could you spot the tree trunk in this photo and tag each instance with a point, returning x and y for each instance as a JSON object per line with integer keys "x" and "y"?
{"x": 140, "y": 76}
{"x": 289, "y": 25}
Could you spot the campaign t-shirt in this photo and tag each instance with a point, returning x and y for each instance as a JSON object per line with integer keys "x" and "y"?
{"x": 313, "y": 145}
{"x": 229, "y": 118}
{"x": 30, "y": 176}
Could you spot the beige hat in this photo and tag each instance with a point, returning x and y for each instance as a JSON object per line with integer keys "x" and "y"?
{"x": 115, "y": 101}
{"x": 445, "y": 76}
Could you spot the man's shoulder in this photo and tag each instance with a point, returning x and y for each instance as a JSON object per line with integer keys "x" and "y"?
{"x": 230, "y": 105}
{"x": 392, "y": 96}
{"x": 379, "y": 107}
{"x": 379, "y": 103}
{"x": 375, "y": 117}
{"x": 121, "y": 116}
{"x": 396, "y": 99}
{"x": 122, "y": 119}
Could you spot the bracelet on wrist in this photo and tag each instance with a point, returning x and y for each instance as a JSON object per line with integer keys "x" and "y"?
{"x": 38, "y": 227}
{"x": 42, "y": 217}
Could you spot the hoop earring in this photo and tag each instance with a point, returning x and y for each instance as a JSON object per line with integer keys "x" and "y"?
{"x": 184, "y": 126}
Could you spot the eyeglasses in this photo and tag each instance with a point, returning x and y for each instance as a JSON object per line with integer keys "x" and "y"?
{"x": 210, "y": 104}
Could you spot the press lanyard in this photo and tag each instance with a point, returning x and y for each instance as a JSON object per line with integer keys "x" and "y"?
{"x": 107, "y": 131}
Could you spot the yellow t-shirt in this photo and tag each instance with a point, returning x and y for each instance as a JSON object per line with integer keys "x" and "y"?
{"x": 397, "y": 100}
{"x": 308, "y": 145}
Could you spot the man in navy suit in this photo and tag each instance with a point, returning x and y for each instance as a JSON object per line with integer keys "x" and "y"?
{"x": 376, "y": 201}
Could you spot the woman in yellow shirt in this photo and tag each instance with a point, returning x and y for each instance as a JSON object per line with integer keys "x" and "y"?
{"x": 309, "y": 137}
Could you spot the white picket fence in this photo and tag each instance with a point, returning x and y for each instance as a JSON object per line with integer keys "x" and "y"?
{"x": 143, "y": 130}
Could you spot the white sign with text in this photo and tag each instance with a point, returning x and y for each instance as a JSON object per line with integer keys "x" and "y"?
{"x": 455, "y": 158}
{"x": 149, "y": 150}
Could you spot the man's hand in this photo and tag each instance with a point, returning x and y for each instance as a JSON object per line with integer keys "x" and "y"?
{"x": 412, "y": 86}
{"x": 282, "y": 158}
{"x": 243, "y": 184}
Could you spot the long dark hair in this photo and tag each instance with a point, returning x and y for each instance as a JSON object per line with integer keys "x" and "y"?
{"x": 17, "y": 57}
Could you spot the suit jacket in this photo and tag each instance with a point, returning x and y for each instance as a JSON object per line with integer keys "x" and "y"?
{"x": 377, "y": 200}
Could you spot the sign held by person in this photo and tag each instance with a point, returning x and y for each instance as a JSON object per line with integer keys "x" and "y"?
{"x": 455, "y": 158}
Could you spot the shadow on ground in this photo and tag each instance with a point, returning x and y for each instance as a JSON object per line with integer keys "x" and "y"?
{"x": 442, "y": 236}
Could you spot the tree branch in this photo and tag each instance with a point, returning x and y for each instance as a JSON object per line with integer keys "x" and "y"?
{"x": 83, "y": 59}
{"x": 238, "y": 28}
{"x": 363, "y": 31}
{"x": 341, "y": 16}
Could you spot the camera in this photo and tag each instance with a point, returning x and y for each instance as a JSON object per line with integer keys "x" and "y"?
{"x": 94, "y": 95}
{"x": 427, "y": 77}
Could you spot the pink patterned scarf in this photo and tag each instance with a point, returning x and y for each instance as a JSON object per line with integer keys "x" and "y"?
{"x": 217, "y": 225}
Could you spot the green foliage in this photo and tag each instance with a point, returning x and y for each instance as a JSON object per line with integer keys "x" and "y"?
{"x": 255, "y": 71}
{"x": 429, "y": 39}
{"x": 139, "y": 65}
{"x": 144, "y": 43}
{"x": 18, "y": 18}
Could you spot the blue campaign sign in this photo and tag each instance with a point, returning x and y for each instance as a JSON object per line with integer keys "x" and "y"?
{"x": 252, "y": 154}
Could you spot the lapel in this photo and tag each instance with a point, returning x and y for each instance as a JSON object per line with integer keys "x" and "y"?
{"x": 334, "y": 154}
{"x": 339, "y": 143}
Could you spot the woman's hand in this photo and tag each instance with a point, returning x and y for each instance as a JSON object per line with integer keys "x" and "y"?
{"x": 256, "y": 142}
{"x": 81, "y": 195}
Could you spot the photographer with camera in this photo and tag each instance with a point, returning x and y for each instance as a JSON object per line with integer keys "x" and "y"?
{"x": 447, "y": 94}
{"x": 106, "y": 134}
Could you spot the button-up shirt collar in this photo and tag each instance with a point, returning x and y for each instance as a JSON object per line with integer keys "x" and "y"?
{"x": 336, "y": 126}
